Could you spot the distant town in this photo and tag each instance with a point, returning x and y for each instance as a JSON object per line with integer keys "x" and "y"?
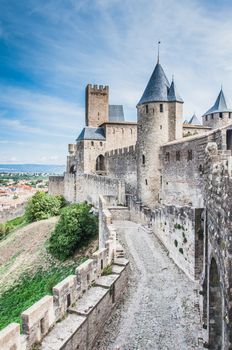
{"x": 16, "y": 188}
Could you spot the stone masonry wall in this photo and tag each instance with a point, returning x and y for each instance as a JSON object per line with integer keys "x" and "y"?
{"x": 121, "y": 163}
{"x": 74, "y": 315}
{"x": 56, "y": 185}
{"x": 218, "y": 247}
{"x": 183, "y": 168}
{"x": 89, "y": 187}
{"x": 12, "y": 212}
{"x": 179, "y": 229}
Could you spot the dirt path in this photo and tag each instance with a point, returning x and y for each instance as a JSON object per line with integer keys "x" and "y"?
{"x": 24, "y": 250}
{"x": 158, "y": 311}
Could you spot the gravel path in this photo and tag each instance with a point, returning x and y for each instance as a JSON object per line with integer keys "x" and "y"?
{"x": 157, "y": 311}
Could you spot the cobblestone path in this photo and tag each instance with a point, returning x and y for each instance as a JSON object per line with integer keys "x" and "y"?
{"x": 157, "y": 311}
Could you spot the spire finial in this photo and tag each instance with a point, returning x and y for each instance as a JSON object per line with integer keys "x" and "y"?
{"x": 173, "y": 78}
{"x": 158, "y": 58}
{"x": 221, "y": 87}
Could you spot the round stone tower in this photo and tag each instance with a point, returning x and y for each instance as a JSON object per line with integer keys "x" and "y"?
{"x": 160, "y": 119}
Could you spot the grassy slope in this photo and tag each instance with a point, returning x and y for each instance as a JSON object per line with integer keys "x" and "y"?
{"x": 30, "y": 289}
{"x": 27, "y": 271}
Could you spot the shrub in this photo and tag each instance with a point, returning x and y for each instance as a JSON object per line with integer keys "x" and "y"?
{"x": 76, "y": 226}
{"x": 42, "y": 205}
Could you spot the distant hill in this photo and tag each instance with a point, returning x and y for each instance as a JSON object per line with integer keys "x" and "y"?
{"x": 32, "y": 168}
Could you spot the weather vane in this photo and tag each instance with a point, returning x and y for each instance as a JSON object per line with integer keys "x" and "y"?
{"x": 159, "y": 42}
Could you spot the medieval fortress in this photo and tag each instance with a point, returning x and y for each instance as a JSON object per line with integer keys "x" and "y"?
{"x": 174, "y": 177}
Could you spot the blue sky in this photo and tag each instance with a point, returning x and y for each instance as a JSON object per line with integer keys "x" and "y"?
{"x": 50, "y": 50}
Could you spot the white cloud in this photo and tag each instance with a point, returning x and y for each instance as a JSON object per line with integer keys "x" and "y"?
{"x": 110, "y": 42}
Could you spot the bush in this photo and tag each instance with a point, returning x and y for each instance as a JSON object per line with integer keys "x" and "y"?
{"x": 42, "y": 205}
{"x": 76, "y": 226}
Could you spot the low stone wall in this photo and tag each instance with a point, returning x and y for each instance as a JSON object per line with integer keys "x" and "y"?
{"x": 74, "y": 315}
{"x": 179, "y": 229}
{"x": 12, "y": 212}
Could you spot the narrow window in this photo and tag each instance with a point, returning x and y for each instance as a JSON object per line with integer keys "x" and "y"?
{"x": 92, "y": 143}
{"x": 190, "y": 155}
{"x": 161, "y": 180}
{"x": 206, "y": 118}
{"x": 201, "y": 170}
{"x": 88, "y": 279}
{"x": 143, "y": 159}
{"x": 177, "y": 155}
{"x": 102, "y": 265}
{"x": 230, "y": 115}
{"x": 68, "y": 300}
{"x": 161, "y": 108}
{"x": 42, "y": 325}
{"x": 220, "y": 115}
{"x": 146, "y": 182}
{"x": 167, "y": 156}
{"x": 211, "y": 116}
{"x": 131, "y": 131}
{"x": 146, "y": 109}
{"x": 160, "y": 127}
{"x": 100, "y": 143}
{"x": 112, "y": 292}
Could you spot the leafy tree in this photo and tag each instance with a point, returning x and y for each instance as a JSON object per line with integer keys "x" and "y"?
{"x": 76, "y": 226}
{"x": 42, "y": 205}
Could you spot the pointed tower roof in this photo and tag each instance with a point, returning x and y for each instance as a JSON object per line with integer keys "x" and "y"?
{"x": 194, "y": 120}
{"x": 157, "y": 87}
{"x": 173, "y": 95}
{"x": 220, "y": 105}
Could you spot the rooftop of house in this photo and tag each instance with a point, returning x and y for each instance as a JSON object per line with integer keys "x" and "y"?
{"x": 116, "y": 113}
{"x": 89, "y": 133}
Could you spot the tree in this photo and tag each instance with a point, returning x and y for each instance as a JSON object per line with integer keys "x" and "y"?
{"x": 76, "y": 226}
{"x": 42, "y": 205}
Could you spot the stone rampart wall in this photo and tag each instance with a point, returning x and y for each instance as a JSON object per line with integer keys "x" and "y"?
{"x": 217, "y": 246}
{"x": 56, "y": 185}
{"x": 121, "y": 163}
{"x": 89, "y": 187}
{"x": 74, "y": 315}
{"x": 12, "y": 212}
{"x": 180, "y": 231}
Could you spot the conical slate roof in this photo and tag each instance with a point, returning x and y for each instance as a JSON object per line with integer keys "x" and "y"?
{"x": 158, "y": 88}
{"x": 220, "y": 105}
{"x": 194, "y": 120}
{"x": 173, "y": 95}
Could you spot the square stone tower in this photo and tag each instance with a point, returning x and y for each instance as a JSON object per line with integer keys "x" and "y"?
{"x": 97, "y": 105}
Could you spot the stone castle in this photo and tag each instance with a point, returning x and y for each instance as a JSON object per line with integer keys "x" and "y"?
{"x": 174, "y": 176}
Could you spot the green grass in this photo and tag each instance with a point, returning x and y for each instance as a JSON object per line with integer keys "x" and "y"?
{"x": 29, "y": 289}
{"x": 12, "y": 225}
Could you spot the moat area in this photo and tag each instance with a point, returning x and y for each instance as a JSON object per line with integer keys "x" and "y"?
{"x": 159, "y": 311}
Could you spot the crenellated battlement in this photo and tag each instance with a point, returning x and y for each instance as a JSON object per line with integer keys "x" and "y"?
{"x": 121, "y": 151}
{"x": 84, "y": 298}
{"x": 98, "y": 88}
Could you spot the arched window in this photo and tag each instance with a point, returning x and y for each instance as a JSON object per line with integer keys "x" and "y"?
{"x": 100, "y": 163}
{"x": 143, "y": 159}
